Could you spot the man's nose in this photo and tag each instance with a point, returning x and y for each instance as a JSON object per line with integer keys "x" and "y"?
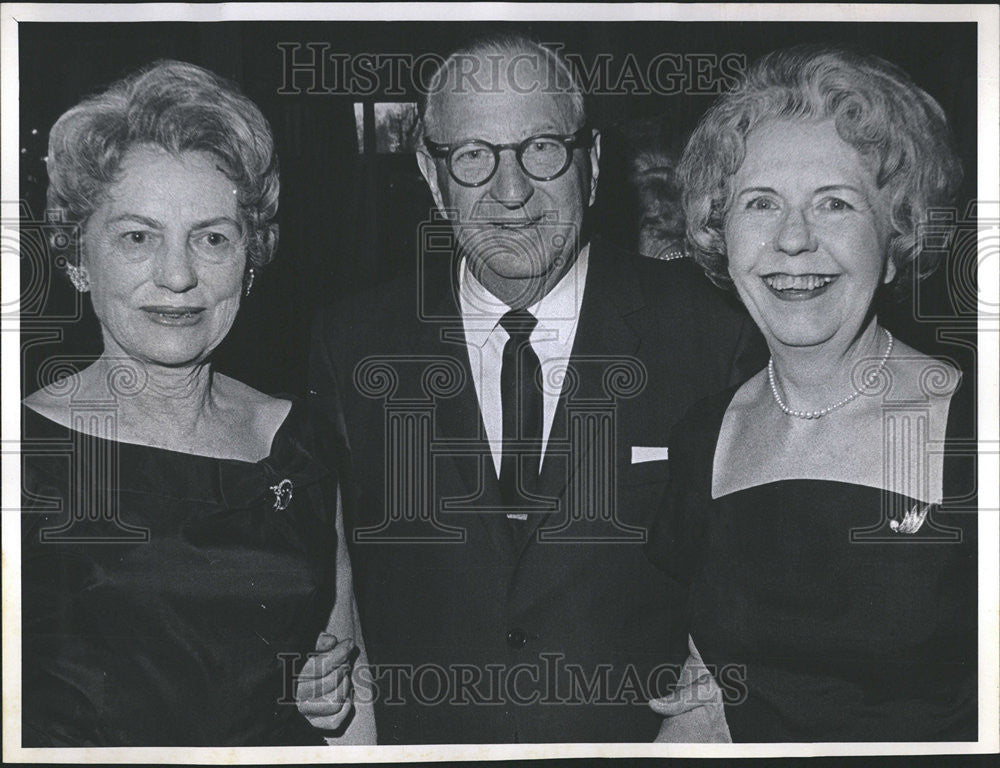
{"x": 795, "y": 234}
{"x": 510, "y": 186}
{"x": 175, "y": 268}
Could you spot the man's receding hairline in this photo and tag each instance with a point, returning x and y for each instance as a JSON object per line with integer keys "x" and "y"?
{"x": 507, "y": 49}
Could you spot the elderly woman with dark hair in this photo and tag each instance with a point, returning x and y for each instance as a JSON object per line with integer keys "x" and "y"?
{"x": 176, "y": 573}
{"x": 817, "y": 512}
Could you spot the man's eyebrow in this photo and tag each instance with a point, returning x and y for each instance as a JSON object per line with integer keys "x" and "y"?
{"x": 546, "y": 128}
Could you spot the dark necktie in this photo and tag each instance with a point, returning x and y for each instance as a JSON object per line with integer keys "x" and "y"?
{"x": 521, "y": 404}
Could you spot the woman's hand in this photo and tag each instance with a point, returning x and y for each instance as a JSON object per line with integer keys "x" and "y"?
{"x": 689, "y": 721}
{"x": 324, "y": 692}
{"x": 694, "y": 711}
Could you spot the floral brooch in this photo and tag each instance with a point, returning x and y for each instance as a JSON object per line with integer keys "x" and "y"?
{"x": 282, "y": 494}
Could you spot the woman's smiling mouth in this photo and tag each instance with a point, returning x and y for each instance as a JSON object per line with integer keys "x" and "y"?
{"x": 797, "y": 287}
{"x": 167, "y": 315}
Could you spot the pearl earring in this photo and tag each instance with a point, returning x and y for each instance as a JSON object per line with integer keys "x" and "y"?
{"x": 249, "y": 281}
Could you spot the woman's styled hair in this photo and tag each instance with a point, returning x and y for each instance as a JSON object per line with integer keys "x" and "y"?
{"x": 876, "y": 108}
{"x": 179, "y": 107}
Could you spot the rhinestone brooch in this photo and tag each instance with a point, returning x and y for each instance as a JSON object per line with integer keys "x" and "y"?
{"x": 912, "y": 520}
{"x": 282, "y": 494}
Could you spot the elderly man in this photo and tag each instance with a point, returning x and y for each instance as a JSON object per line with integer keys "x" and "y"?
{"x": 505, "y": 413}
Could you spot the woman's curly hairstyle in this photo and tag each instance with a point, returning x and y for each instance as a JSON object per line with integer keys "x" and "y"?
{"x": 179, "y": 107}
{"x": 876, "y": 108}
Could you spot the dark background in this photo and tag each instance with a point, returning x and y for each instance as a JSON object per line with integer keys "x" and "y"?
{"x": 350, "y": 219}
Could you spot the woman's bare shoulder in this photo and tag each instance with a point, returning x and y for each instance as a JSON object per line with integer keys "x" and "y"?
{"x": 265, "y": 412}
{"x": 54, "y": 401}
{"x": 915, "y": 377}
{"x": 749, "y": 395}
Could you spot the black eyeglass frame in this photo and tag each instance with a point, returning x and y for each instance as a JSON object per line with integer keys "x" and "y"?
{"x": 582, "y": 138}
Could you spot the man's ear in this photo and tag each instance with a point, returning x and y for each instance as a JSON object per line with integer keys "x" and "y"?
{"x": 595, "y": 164}
{"x": 429, "y": 170}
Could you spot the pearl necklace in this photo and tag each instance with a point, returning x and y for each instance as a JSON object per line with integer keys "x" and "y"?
{"x": 819, "y": 414}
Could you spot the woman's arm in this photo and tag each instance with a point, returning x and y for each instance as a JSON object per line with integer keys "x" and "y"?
{"x": 325, "y": 690}
{"x": 345, "y": 621}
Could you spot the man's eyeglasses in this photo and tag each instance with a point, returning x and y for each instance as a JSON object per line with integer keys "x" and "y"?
{"x": 543, "y": 157}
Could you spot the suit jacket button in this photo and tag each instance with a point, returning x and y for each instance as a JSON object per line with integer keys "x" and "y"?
{"x": 516, "y": 638}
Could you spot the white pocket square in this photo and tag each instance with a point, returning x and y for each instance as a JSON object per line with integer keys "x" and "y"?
{"x": 643, "y": 453}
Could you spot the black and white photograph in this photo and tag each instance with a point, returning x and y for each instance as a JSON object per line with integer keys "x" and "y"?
{"x": 492, "y": 381}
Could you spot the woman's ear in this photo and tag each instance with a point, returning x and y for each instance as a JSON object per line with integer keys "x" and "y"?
{"x": 889, "y": 274}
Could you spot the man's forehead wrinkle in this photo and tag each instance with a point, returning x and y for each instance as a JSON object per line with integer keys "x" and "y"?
{"x": 509, "y": 131}
{"x": 479, "y": 118}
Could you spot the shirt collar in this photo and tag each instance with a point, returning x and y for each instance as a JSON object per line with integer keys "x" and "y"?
{"x": 557, "y": 310}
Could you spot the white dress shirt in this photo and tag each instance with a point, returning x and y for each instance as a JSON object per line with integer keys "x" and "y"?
{"x": 558, "y": 313}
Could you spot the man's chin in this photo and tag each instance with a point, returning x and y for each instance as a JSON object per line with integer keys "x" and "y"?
{"x": 509, "y": 266}
{"x": 526, "y": 242}
{"x": 511, "y": 253}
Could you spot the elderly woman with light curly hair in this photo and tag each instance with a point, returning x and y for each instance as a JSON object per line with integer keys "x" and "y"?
{"x": 821, "y": 512}
{"x": 184, "y": 550}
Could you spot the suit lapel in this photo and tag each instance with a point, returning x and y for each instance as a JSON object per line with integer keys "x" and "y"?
{"x": 459, "y": 419}
{"x": 609, "y": 327}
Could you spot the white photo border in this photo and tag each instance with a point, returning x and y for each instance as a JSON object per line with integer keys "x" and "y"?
{"x": 985, "y": 16}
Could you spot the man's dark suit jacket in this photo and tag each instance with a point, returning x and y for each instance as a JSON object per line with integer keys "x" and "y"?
{"x": 557, "y": 629}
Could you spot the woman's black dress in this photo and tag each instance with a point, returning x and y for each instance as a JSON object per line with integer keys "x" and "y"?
{"x": 167, "y": 597}
{"x": 819, "y": 621}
